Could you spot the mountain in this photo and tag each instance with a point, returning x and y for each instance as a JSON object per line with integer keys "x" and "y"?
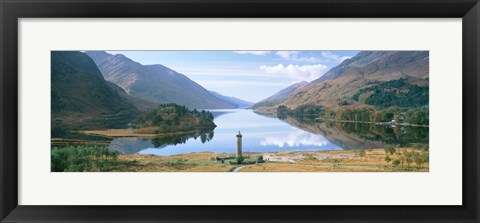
{"x": 140, "y": 104}
{"x": 280, "y": 95}
{"x": 238, "y": 102}
{"x": 155, "y": 83}
{"x": 81, "y": 98}
{"x": 395, "y": 72}
{"x": 286, "y": 91}
{"x": 360, "y": 60}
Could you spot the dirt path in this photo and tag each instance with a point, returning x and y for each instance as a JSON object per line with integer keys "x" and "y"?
{"x": 238, "y": 168}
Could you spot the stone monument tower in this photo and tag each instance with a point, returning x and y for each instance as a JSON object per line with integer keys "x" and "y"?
{"x": 239, "y": 144}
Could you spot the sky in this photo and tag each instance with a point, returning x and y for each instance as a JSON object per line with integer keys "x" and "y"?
{"x": 247, "y": 75}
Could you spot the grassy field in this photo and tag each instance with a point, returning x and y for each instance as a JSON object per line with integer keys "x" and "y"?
{"x": 94, "y": 158}
{"x": 191, "y": 162}
{"x": 336, "y": 161}
{"x": 325, "y": 161}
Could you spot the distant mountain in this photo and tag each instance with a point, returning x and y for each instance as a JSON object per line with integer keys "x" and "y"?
{"x": 353, "y": 83}
{"x": 280, "y": 95}
{"x": 155, "y": 83}
{"x": 81, "y": 98}
{"x": 365, "y": 70}
{"x": 238, "y": 102}
{"x": 287, "y": 91}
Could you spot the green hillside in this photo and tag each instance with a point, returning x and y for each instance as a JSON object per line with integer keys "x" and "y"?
{"x": 394, "y": 93}
{"x": 81, "y": 98}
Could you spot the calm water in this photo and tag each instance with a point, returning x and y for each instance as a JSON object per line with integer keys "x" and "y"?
{"x": 269, "y": 134}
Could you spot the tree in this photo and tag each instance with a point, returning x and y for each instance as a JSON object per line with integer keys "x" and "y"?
{"x": 418, "y": 159}
{"x": 259, "y": 158}
{"x": 389, "y": 149}
{"x": 282, "y": 110}
{"x": 388, "y": 159}
{"x": 408, "y": 158}
{"x": 396, "y": 162}
{"x": 239, "y": 159}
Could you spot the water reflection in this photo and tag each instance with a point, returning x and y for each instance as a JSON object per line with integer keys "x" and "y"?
{"x": 131, "y": 145}
{"x": 295, "y": 138}
{"x": 267, "y": 133}
{"x": 353, "y": 135}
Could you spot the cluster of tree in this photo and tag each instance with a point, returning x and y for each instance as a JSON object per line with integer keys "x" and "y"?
{"x": 394, "y": 93}
{"x": 309, "y": 109}
{"x": 418, "y": 116}
{"x": 174, "y": 118}
{"x": 267, "y": 103}
{"x": 83, "y": 159}
{"x": 407, "y": 157}
{"x": 282, "y": 111}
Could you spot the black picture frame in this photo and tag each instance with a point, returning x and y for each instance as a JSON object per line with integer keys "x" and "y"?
{"x": 12, "y": 10}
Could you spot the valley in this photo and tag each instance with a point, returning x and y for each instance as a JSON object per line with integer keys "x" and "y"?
{"x": 369, "y": 112}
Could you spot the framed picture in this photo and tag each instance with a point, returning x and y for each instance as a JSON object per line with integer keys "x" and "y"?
{"x": 228, "y": 111}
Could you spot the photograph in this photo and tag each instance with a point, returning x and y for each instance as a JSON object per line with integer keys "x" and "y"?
{"x": 239, "y": 111}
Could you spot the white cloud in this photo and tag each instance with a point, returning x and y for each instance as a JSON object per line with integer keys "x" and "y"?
{"x": 287, "y": 55}
{"x": 297, "y": 72}
{"x": 295, "y": 56}
{"x": 257, "y": 53}
{"x": 335, "y": 58}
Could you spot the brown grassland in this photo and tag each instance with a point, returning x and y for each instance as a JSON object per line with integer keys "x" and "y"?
{"x": 317, "y": 161}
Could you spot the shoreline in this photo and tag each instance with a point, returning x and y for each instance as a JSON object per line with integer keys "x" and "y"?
{"x": 118, "y": 133}
{"x": 266, "y": 112}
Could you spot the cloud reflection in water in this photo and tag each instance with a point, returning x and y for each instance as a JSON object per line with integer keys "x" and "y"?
{"x": 295, "y": 139}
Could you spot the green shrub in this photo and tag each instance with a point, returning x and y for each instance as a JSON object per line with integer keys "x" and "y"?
{"x": 389, "y": 149}
{"x": 82, "y": 159}
{"x": 240, "y": 159}
{"x": 388, "y": 159}
{"x": 396, "y": 162}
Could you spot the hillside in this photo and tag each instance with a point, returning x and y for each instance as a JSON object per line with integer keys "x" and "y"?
{"x": 236, "y": 101}
{"x": 286, "y": 91}
{"x": 335, "y": 90}
{"x": 81, "y": 98}
{"x": 140, "y": 104}
{"x": 155, "y": 83}
{"x": 278, "y": 97}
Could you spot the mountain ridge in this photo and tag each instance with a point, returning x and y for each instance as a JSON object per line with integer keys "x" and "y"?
{"x": 239, "y": 102}
{"x": 155, "y": 83}
{"x": 279, "y": 96}
{"x": 335, "y": 89}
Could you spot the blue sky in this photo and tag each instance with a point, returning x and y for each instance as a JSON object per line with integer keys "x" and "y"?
{"x": 248, "y": 75}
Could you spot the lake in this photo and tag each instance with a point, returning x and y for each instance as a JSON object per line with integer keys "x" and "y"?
{"x": 264, "y": 133}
